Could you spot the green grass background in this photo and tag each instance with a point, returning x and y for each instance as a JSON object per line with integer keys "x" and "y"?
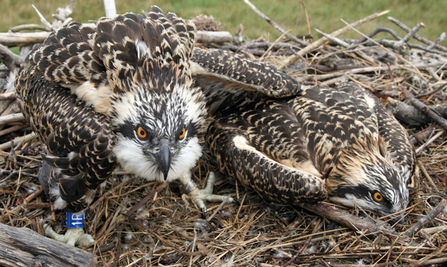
{"x": 324, "y": 15}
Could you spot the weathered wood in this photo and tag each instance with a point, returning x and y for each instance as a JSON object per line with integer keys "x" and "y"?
{"x": 24, "y": 247}
{"x": 30, "y": 38}
{"x": 213, "y": 37}
{"x": 22, "y": 39}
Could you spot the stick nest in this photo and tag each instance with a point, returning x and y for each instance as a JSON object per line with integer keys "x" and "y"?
{"x": 167, "y": 229}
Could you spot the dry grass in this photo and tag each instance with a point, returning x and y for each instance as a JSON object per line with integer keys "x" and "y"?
{"x": 167, "y": 230}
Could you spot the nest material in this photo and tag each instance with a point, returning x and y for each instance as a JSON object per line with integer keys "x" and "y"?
{"x": 206, "y": 23}
{"x": 167, "y": 229}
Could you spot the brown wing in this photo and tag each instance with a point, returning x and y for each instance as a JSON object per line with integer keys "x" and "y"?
{"x": 78, "y": 139}
{"x": 260, "y": 143}
{"x": 226, "y": 77}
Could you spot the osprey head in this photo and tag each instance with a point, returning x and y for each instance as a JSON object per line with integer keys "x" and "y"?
{"x": 370, "y": 183}
{"x": 157, "y": 124}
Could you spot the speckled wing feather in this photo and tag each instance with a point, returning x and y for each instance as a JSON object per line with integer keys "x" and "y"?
{"x": 78, "y": 139}
{"x": 257, "y": 75}
{"x": 261, "y": 144}
{"x": 226, "y": 77}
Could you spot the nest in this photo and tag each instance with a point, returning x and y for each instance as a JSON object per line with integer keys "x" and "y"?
{"x": 140, "y": 223}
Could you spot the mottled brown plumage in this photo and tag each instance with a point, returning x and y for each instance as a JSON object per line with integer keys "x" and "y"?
{"x": 339, "y": 142}
{"x": 91, "y": 93}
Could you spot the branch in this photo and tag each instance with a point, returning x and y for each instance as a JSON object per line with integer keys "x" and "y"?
{"x": 22, "y": 39}
{"x": 16, "y": 117}
{"x": 429, "y": 217}
{"x": 345, "y": 218}
{"x": 417, "y": 37}
{"x": 213, "y": 37}
{"x": 17, "y": 140}
{"x": 10, "y": 59}
{"x": 276, "y": 26}
{"x": 291, "y": 60}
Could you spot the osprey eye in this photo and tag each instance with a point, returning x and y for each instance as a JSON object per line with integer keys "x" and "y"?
{"x": 378, "y": 196}
{"x": 182, "y": 134}
{"x": 141, "y": 133}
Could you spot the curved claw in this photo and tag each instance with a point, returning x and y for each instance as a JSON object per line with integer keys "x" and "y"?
{"x": 199, "y": 196}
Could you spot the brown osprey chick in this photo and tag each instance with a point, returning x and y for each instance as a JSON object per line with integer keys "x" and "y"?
{"x": 119, "y": 93}
{"x": 341, "y": 143}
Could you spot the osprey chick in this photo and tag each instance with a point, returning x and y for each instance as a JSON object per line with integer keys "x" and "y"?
{"x": 341, "y": 143}
{"x": 119, "y": 93}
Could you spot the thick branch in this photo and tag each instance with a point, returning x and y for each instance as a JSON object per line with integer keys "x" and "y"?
{"x": 22, "y": 39}
{"x": 24, "y": 247}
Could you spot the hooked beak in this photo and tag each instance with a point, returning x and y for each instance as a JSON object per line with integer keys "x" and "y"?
{"x": 163, "y": 157}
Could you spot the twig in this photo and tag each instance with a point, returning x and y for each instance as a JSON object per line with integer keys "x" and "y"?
{"x": 42, "y": 18}
{"x": 377, "y": 30}
{"x": 412, "y": 32}
{"x": 17, "y": 140}
{"x": 213, "y": 37}
{"x": 370, "y": 69}
{"x": 433, "y": 230}
{"x": 416, "y": 36}
{"x": 11, "y": 39}
{"x": 319, "y": 42}
{"x": 344, "y": 218}
{"x": 307, "y": 18}
{"x": 431, "y": 140}
{"x": 8, "y": 96}
{"x": 427, "y": 175}
{"x": 12, "y": 129}
{"x": 434, "y": 91}
{"x": 146, "y": 199}
{"x": 10, "y": 59}
{"x": 437, "y": 41}
{"x": 29, "y": 27}
{"x": 27, "y": 200}
{"x": 425, "y": 109}
{"x": 16, "y": 117}
{"x": 346, "y": 45}
{"x": 276, "y": 26}
{"x": 421, "y": 106}
{"x": 429, "y": 217}
{"x": 299, "y": 252}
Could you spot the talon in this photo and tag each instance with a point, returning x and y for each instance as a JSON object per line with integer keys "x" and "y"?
{"x": 198, "y": 196}
{"x": 72, "y": 237}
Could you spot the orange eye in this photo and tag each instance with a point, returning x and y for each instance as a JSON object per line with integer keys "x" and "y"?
{"x": 378, "y": 196}
{"x": 141, "y": 133}
{"x": 182, "y": 134}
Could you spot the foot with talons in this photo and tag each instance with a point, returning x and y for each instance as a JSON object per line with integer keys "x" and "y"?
{"x": 199, "y": 196}
{"x": 73, "y": 236}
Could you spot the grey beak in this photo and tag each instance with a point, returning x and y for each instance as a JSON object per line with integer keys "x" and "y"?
{"x": 163, "y": 157}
